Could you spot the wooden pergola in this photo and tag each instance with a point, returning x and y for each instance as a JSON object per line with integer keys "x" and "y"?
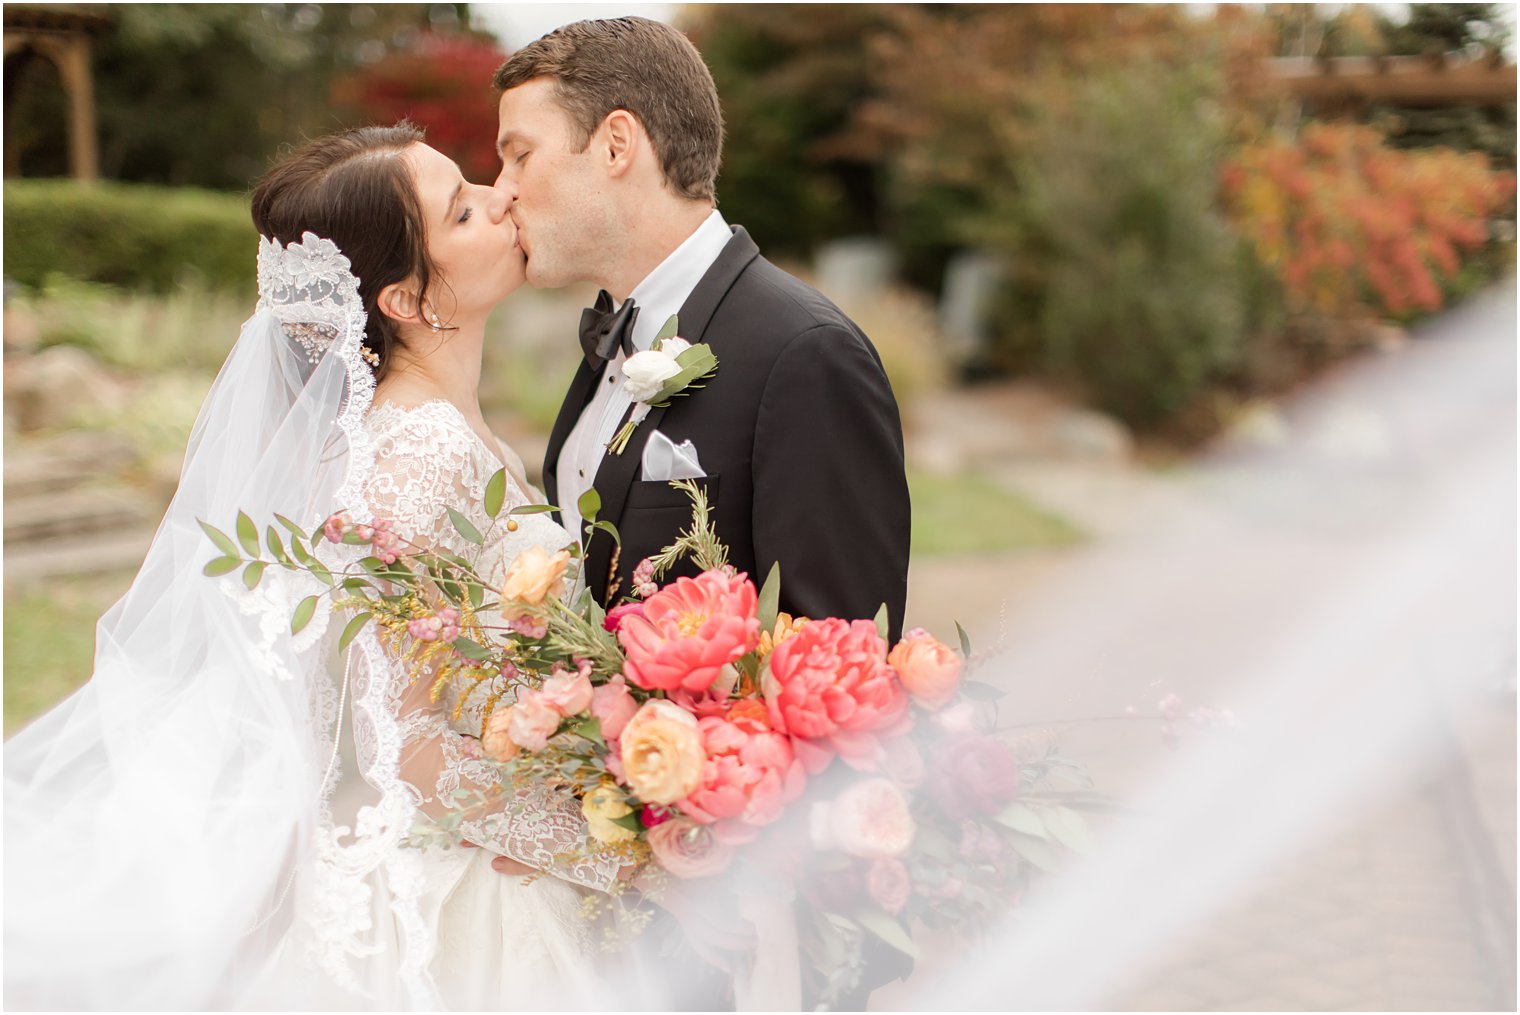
{"x": 61, "y": 33}
{"x": 1436, "y": 79}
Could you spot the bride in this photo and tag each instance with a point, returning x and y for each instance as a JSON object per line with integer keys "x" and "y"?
{"x": 219, "y": 817}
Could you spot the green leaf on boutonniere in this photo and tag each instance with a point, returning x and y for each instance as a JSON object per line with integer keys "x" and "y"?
{"x": 464, "y": 528}
{"x": 696, "y": 363}
{"x": 770, "y": 598}
{"x": 220, "y": 538}
{"x": 881, "y": 621}
{"x": 496, "y": 492}
{"x": 669, "y": 329}
{"x": 248, "y": 534}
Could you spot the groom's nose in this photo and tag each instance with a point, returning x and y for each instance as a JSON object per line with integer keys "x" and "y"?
{"x": 503, "y": 193}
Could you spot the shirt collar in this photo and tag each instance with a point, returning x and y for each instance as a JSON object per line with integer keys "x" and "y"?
{"x": 665, "y": 289}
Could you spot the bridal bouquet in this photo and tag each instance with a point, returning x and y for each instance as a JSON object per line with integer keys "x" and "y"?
{"x": 709, "y": 735}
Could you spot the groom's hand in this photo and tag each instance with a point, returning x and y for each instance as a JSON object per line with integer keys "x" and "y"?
{"x": 709, "y": 916}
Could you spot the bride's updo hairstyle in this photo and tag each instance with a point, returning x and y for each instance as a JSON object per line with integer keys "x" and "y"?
{"x": 355, "y": 189}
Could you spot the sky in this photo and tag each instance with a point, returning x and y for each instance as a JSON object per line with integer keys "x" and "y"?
{"x": 519, "y": 24}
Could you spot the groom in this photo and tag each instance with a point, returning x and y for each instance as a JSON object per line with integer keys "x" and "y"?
{"x": 611, "y": 134}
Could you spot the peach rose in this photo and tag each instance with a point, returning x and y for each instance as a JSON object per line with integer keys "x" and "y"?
{"x": 869, "y": 819}
{"x": 930, "y": 670}
{"x": 749, "y": 774}
{"x": 566, "y": 692}
{"x": 613, "y": 706}
{"x": 689, "y": 850}
{"x": 498, "y": 743}
{"x": 661, "y": 752}
{"x": 533, "y": 721}
{"x": 831, "y": 688}
{"x": 534, "y": 576}
{"x": 601, "y": 808}
{"x": 690, "y": 630}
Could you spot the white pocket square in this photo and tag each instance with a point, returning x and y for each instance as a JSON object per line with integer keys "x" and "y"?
{"x": 664, "y": 460}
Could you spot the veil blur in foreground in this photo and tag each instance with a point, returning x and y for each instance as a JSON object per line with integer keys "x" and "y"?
{"x": 159, "y": 823}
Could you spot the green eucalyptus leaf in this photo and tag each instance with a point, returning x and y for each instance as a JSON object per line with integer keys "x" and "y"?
{"x": 252, "y": 573}
{"x": 965, "y": 640}
{"x": 352, "y": 629}
{"x": 496, "y": 492}
{"x": 470, "y": 650}
{"x": 532, "y": 509}
{"x": 610, "y": 529}
{"x": 591, "y": 729}
{"x": 463, "y": 526}
{"x": 221, "y": 566}
{"x": 304, "y": 610}
{"x": 889, "y": 930}
{"x": 670, "y": 329}
{"x": 220, "y": 538}
{"x": 477, "y": 594}
{"x": 629, "y": 821}
{"x": 589, "y": 504}
{"x": 248, "y": 534}
{"x": 301, "y": 552}
{"x": 356, "y": 585}
{"x": 770, "y": 598}
{"x": 295, "y": 530}
{"x": 276, "y": 547}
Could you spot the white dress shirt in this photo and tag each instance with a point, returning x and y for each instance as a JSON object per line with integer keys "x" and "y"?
{"x": 661, "y": 294}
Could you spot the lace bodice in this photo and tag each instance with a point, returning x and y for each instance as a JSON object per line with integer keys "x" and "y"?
{"x": 428, "y": 459}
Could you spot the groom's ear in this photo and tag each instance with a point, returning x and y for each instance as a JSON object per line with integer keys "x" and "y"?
{"x": 400, "y": 304}
{"x": 621, "y": 135}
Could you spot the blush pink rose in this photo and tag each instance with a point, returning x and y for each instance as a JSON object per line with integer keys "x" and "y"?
{"x": 929, "y": 669}
{"x": 831, "y": 688}
{"x": 869, "y": 819}
{"x": 533, "y": 721}
{"x": 689, "y": 850}
{"x": 750, "y": 773}
{"x": 889, "y": 884}
{"x": 613, "y": 706}
{"x": 690, "y": 630}
{"x": 566, "y": 692}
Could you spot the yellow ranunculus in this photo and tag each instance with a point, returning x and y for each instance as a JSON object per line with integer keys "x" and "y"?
{"x": 602, "y": 807}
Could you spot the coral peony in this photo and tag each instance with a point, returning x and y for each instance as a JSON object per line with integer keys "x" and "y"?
{"x": 534, "y": 575}
{"x": 974, "y": 776}
{"x": 750, "y": 773}
{"x": 930, "y": 670}
{"x": 566, "y": 692}
{"x": 870, "y": 819}
{"x": 830, "y": 686}
{"x": 661, "y": 752}
{"x": 689, "y": 850}
{"x": 689, "y": 631}
{"x": 613, "y": 706}
{"x": 889, "y": 884}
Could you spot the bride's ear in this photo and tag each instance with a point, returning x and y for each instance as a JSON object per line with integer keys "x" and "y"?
{"x": 400, "y": 304}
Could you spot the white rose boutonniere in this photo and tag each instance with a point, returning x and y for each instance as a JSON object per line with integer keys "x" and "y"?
{"x": 671, "y": 367}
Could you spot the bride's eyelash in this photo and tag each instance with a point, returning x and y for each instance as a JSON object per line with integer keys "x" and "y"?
{"x": 465, "y": 215}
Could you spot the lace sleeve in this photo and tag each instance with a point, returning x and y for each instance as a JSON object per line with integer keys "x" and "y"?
{"x": 424, "y": 466}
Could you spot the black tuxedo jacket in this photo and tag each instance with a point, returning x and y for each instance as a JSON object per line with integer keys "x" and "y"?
{"x": 799, "y": 435}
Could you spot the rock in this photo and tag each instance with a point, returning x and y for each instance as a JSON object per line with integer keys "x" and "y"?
{"x": 1082, "y": 433}
{"x": 57, "y": 386}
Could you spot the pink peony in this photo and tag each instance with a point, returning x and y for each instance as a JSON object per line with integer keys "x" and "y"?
{"x": 831, "y": 687}
{"x": 888, "y": 883}
{"x": 974, "y": 776}
{"x": 869, "y": 819}
{"x": 616, "y": 615}
{"x": 689, "y": 631}
{"x": 689, "y": 850}
{"x": 533, "y": 722}
{"x": 931, "y": 671}
{"x": 566, "y": 692}
{"x": 750, "y": 773}
{"x": 613, "y": 706}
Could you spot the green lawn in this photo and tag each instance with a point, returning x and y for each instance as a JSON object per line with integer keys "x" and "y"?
{"x": 967, "y": 514}
{"x": 50, "y": 643}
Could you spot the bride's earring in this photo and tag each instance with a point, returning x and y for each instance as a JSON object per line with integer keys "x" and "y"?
{"x": 436, "y": 326}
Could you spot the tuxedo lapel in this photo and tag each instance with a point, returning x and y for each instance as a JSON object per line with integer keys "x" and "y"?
{"x": 615, "y": 476}
{"x": 569, "y": 411}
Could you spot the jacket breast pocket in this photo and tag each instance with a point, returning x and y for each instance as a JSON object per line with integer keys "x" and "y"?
{"x": 648, "y": 495}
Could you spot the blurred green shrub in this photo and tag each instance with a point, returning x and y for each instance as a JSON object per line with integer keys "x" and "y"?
{"x": 1138, "y": 288}
{"x": 133, "y": 236}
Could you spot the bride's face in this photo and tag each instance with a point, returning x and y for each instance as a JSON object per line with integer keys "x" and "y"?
{"x": 470, "y": 237}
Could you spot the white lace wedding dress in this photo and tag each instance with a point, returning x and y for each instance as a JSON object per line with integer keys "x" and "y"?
{"x": 489, "y": 941}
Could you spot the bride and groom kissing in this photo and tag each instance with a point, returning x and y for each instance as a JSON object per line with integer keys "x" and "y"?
{"x": 225, "y": 733}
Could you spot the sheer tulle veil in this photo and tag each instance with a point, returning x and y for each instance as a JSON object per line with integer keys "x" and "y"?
{"x": 168, "y": 828}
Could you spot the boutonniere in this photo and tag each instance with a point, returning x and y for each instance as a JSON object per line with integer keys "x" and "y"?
{"x": 671, "y": 367}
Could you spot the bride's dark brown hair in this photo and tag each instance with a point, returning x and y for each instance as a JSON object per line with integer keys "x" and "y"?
{"x": 355, "y": 189}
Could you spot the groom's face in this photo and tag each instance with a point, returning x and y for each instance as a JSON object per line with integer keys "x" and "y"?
{"x": 559, "y": 209}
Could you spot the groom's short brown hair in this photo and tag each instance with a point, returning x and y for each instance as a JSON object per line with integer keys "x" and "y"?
{"x": 648, "y": 68}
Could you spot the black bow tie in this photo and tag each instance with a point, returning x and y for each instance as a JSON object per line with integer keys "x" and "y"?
{"x": 603, "y": 331}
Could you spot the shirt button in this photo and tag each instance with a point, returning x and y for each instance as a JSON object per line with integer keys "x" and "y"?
{"x": 611, "y": 380}
{"x": 582, "y": 472}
